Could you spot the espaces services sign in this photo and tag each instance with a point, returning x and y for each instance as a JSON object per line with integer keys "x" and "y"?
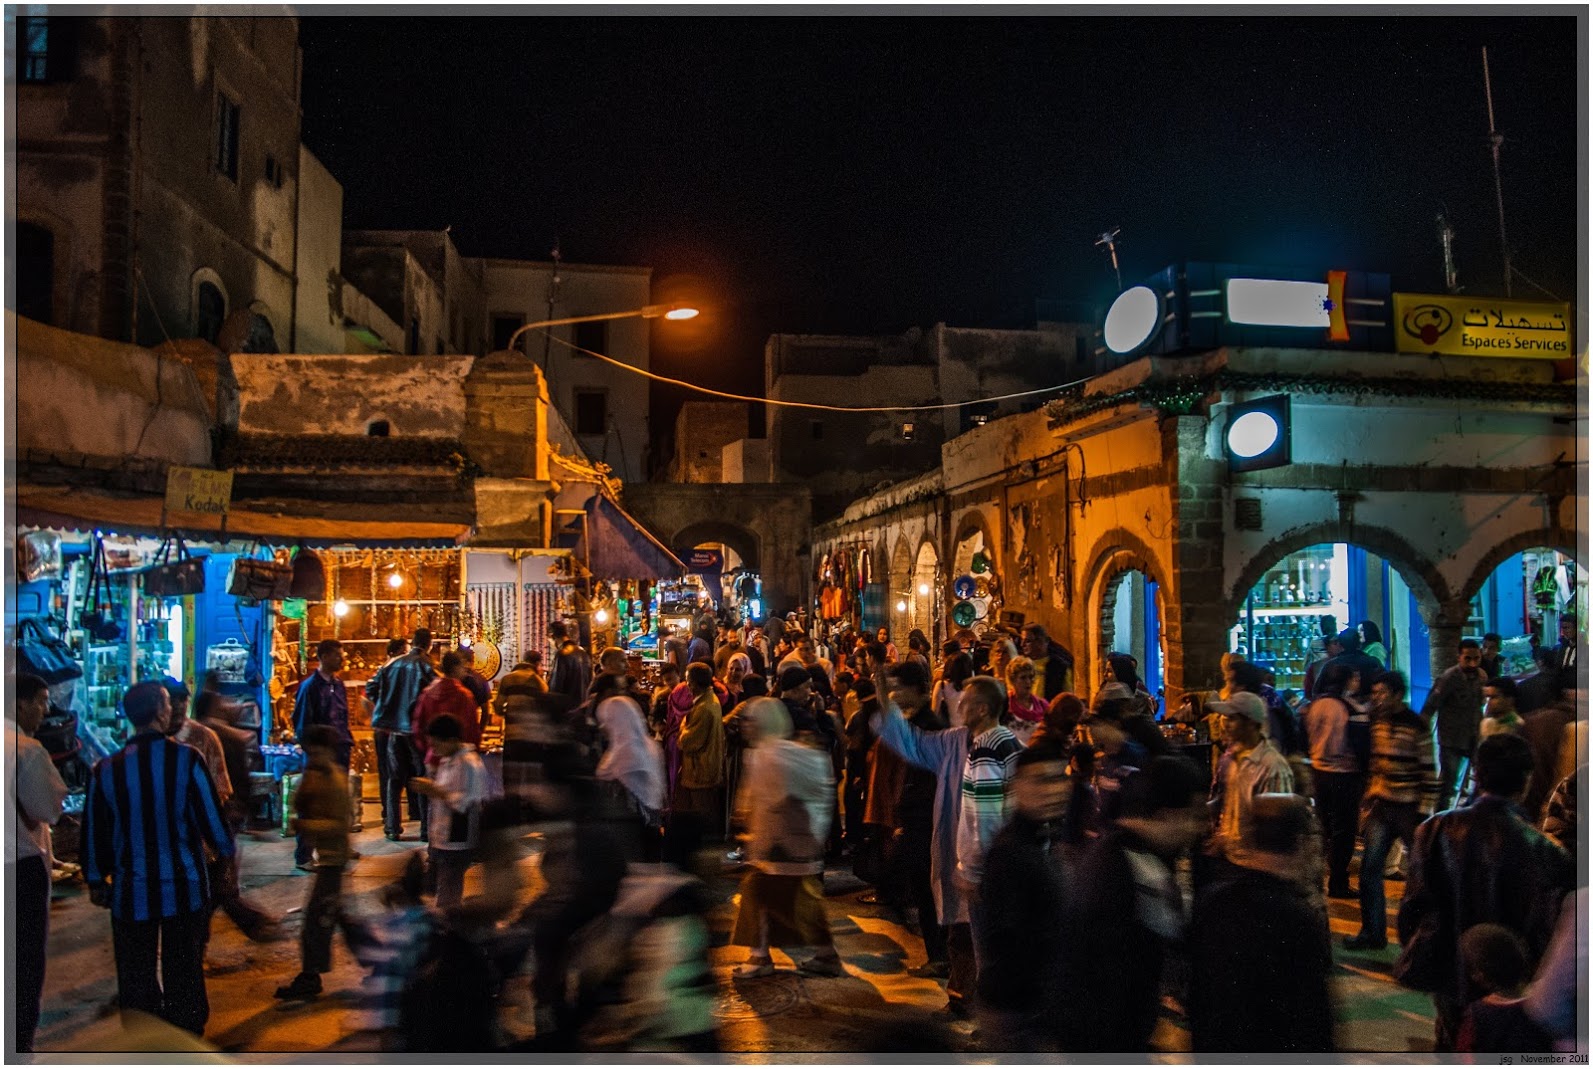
{"x": 1472, "y": 326}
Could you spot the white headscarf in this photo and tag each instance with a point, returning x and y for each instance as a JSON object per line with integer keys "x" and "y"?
{"x": 778, "y": 772}
{"x": 633, "y": 757}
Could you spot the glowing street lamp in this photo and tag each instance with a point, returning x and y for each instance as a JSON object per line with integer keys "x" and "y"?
{"x": 673, "y": 312}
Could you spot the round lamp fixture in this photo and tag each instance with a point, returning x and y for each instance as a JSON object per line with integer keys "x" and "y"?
{"x": 1133, "y": 321}
{"x": 340, "y": 608}
{"x": 1253, "y": 434}
{"x": 901, "y": 606}
{"x": 601, "y": 616}
{"x": 681, "y": 313}
{"x": 923, "y": 590}
{"x": 395, "y": 580}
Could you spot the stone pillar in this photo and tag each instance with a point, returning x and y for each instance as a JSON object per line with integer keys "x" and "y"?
{"x": 1444, "y": 632}
{"x": 1196, "y": 623}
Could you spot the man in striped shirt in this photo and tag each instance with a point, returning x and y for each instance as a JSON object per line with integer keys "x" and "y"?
{"x": 974, "y": 764}
{"x": 151, "y": 810}
{"x": 1402, "y": 792}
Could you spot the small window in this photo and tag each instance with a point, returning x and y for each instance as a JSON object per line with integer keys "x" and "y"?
{"x": 503, "y": 328}
{"x": 591, "y": 412}
{"x": 908, "y": 431}
{"x": 273, "y": 172}
{"x": 227, "y": 116}
{"x": 816, "y": 429}
{"x": 378, "y": 428}
{"x": 44, "y": 49}
{"x": 210, "y": 310}
{"x": 441, "y": 349}
{"x": 592, "y": 336}
{"x": 414, "y": 337}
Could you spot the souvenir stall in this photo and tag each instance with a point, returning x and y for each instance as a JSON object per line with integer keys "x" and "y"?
{"x": 842, "y": 578}
{"x": 618, "y": 574}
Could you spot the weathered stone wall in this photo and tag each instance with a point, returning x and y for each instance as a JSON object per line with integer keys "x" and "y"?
{"x": 702, "y": 431}
{"x": 344, "y": 395}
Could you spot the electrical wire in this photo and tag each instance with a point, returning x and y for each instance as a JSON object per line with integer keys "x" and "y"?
{"x": 807, "y": 404}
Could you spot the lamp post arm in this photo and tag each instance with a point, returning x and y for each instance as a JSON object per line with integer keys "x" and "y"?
{"x": 651, "y": 311}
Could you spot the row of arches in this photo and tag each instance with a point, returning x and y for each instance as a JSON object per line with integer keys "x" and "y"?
{"x": 1363, "y": 573}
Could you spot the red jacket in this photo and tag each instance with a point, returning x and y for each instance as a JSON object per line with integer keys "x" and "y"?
{"x": 446, "y": 696}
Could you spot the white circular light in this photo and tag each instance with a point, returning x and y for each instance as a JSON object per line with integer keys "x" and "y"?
{"x": 340, "y": 608}
{"x": 1253, "y": 434}
{"x": 395, "y": 580}
{"x": 1133, "y": 319}
{"x": 601, "y": 616}
{"x": 901, "y": 606}
{"x": 923, "y": 590}
{"x": 464, "y": 642}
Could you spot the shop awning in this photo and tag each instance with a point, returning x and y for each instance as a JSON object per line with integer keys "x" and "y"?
{"x": 615, "y": 546}
{"x": 281, "y": 523}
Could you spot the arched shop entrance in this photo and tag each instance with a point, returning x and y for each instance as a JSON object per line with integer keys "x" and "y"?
{"x": 1131, "y": 623}
{"x": 975, "y": 584}
{"x": 1524, "y": 598}
{"x": 901, "y": 591}
{"x": 1285, "y": 610}
{"x": 724, "y": 557}
{"x": 926, "y": 596}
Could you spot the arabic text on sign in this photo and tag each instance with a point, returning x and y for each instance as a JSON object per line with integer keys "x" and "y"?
{"x": 1467, "y": 326}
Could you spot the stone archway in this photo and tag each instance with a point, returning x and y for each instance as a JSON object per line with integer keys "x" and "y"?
{"x": 1555, "y": 538}
{"x": 898, "y": 602}
{"x": 1433, "y": 595}
{"x": 747, "y": 544}
{"x": 926, "y": 594}
{"x": 1116, "y": 553}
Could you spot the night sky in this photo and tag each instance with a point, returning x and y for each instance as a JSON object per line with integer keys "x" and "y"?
{"x": 869, "y": 174}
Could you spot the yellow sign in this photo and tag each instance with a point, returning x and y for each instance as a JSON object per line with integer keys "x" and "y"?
{"x": 1481, "y": 326}
{"x": 198, "y": 490}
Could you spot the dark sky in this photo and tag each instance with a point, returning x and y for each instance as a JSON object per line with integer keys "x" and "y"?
{"x": 868, "y": 174}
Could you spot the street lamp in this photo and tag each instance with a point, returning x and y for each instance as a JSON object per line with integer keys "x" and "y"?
{"x": 674, "y": 312}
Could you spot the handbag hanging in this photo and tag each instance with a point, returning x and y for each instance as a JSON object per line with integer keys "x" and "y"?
{"x": 43, "y": 654}
{"x": 175, "y": 574}
{"x": 259, "y": 580}
{"x": 96, "y": 617}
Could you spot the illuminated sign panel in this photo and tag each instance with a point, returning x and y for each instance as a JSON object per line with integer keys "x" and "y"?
{"x": 1481, "y": 326}
{"x": 1274, "y": 302}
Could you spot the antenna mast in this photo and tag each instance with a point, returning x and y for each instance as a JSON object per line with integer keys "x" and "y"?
{"x": 1446, "y": 238}
{"x": 1495, "y": 139}
{"x": 1109, "y": 239}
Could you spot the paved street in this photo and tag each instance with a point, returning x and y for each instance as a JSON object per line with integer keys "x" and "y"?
{"x": 876, "y": 1005}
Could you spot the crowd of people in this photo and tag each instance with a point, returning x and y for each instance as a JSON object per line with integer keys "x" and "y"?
{"x": 1071, "y": 870}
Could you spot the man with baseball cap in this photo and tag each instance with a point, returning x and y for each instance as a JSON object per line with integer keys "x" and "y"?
{"x": 1250, "y": 766}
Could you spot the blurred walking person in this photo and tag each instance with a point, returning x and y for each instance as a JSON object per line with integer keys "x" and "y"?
{"x": 36, "y": 793}
{"x": 787, "y": 802}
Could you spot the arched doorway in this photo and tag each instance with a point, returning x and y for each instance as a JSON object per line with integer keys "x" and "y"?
{"x": 901, "y": 594}
{"x": 726, "y": 558}
{"x": 1326, "y": 588}
{"x": 926, "y": 596}
{"x": 1524, "y": 598}
{"x": 1131, "y": 623}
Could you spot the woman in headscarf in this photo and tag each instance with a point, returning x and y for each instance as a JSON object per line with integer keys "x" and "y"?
{"x": 736, "y": 670}
{"x": 632, "y": 768}
{"x": 786, "y": 803}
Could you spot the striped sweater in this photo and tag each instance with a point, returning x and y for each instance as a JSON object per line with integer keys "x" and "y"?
{"x": 992, "y": 758}
{"x": 1404, "y": 765}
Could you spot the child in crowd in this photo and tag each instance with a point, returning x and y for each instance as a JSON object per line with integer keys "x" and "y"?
{"x": 1496, "y": 961}
{"x": 323, "y": 815}
{"x": 454, "y": 791}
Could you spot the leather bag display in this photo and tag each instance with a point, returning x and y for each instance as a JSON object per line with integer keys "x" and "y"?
{"x": 174, "y": 574}
{"x": 42, "y": 653}
{"x": 259, "y": 580}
